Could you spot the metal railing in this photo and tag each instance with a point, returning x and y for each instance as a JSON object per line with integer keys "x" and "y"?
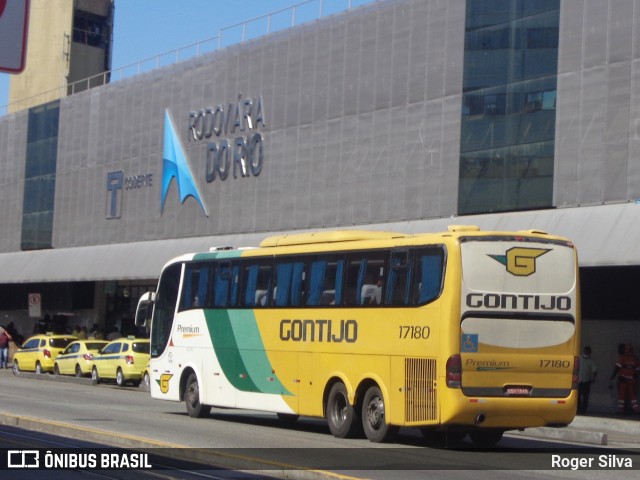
{"x": 297, "y": 14}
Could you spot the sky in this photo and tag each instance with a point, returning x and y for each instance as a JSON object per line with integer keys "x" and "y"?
{"x": 146, "y": 29}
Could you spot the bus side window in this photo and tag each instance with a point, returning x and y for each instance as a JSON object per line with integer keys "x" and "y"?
{"x": 256, "y": 283}
{"x": 225, "y": 285}
{"x": 356, "y": 269}
{"x": 195, "y": 290}
{"x": 235, "y": 285}
{"x": 397, "y": 291}
{"x": 289, "y": 283}
{"x": 428, "y": 276}
{"x": 325, "y": 281}
{"x": 365, "y": 278}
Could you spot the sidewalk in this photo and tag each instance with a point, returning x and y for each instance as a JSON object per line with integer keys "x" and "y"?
{"x": 613, "y": 431}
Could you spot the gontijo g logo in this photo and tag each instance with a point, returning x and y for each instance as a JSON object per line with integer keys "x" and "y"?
{"x": 520, "y": 261}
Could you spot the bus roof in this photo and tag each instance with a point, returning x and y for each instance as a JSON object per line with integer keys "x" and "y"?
{"x": 328, "y": 237}
{"x": 329, "y": 240}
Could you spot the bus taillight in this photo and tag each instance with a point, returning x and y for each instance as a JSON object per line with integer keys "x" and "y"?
{"x": 454, "y": 371}
{"x": 576, "y": 369}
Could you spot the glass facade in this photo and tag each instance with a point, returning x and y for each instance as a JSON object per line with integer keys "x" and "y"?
{"x": 40, "y": 177}
{"x": 508, "y": 106}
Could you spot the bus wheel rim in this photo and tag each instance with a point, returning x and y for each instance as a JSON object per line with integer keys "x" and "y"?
{"x": 375, "y": 412}
{"x": 340, "y": 409}
{"x": 193, "y": 394}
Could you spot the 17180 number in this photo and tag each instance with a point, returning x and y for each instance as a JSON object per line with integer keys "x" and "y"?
{"x": 555, "y": 364}
{"x": 415, "y": 332}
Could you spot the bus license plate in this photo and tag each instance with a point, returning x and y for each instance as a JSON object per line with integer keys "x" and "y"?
{"x": 518, "y": 391}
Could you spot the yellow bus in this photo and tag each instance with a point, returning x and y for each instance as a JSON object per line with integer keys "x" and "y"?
{"x": 455, "y": 333}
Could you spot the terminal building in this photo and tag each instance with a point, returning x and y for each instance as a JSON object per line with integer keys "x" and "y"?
{"x": 401, "y": 115}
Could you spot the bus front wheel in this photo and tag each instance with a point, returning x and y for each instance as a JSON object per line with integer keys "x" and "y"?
{"x": 342, "y": 417}
{"x": 195, "y": 409}
{"x": 374, "y": 418}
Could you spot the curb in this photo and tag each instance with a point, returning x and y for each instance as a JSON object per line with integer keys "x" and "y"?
{"x": 565, "y": 434}
{"x": 620, "y": 425}
{"x": 591, "y": 430}
{"x": 49, "y": 377}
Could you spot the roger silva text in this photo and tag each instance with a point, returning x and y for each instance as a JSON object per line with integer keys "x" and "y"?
{"x": 579, "y": 462}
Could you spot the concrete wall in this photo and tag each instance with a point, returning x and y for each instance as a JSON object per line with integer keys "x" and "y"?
{"x": 598, "y": 112}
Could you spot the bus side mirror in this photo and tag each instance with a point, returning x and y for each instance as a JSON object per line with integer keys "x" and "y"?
{"x": 144, "y": 309}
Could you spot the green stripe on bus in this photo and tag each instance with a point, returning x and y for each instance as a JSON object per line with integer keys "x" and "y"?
{"x": 241, "y": 352}
{"x": 217, "y": 255}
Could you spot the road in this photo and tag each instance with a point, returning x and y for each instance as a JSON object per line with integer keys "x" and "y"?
{"x": 19, "y": 440}
{"x": 129, "y": 417}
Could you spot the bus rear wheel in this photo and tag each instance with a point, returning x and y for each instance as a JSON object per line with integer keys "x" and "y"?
{"x": 374, "y": 418}
{"x": 342, "y": 417}
{"x": 195, "y": 409}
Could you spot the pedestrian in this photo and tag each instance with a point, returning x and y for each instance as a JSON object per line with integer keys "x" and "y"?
{"x": 5, "y": 337}
{"x": 82, "y": 333}
{"x": 626, "y": 369}
{"x": 95, "y": 333}
{"x": 586, "y": 376}
{"x": 114, "y": 335}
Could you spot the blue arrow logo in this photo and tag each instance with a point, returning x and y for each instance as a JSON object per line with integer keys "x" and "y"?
{"x": 175, "y": 164}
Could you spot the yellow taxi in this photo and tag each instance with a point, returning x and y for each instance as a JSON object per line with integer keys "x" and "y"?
{"x": 123, "y": 360}
{"x": 77, "y": 358}
{"x": 38, "y": 353}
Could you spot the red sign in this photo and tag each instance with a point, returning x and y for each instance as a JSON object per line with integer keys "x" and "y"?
{"x": 14, "y": 23}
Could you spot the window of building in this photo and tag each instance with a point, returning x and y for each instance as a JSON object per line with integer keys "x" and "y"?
{"x": 90, "y": 29}
{"x": 508, "y": 106}
{"x": 40, "y": 177}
